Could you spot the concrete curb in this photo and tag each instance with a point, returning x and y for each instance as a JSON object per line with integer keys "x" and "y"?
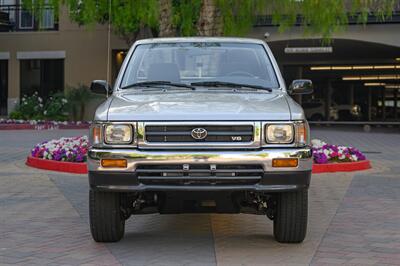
{"x": 341, "y": 167}
{"x": 68, "y": 167}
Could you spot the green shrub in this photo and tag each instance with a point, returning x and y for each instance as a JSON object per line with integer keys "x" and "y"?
{"x": 78, "y": 97}
{"x": 30, "y": 107}
{"x": 16, "y": 115}
{"x": 34, "y": 108}
{"x": 56, "y": 108}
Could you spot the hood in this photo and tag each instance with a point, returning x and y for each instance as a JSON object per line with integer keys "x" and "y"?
{"x": 198, "y": 105}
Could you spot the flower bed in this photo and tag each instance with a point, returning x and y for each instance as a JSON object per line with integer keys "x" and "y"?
{"x": 69, "y": 155}
{"x": 324, "y": 153}
{"x": 63, "y": 149}
{"x": 15, "y": 124}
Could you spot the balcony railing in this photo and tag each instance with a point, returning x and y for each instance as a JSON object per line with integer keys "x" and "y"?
{"x": 16, "y": 18}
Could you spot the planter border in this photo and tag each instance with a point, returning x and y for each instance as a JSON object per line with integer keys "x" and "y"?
{"x": 341, "y": 167}
{"x": 81, "y": 168}
{"x": 68, "y": 167}
{"x": 40, "y": 127}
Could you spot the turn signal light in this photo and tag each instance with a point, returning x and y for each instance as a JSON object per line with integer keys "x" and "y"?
{"x": 285, "y": 162}
{"x": 114, "y": 163}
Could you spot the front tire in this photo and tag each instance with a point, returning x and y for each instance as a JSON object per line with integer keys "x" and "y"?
{"x": 106, "y": 221}
{"x": 290, "y": 221}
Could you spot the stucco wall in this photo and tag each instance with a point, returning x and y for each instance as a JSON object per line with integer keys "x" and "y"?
{"x": 85, "y": 52}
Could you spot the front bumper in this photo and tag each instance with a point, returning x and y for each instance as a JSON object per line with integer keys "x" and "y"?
{"x": 273, "y": 179}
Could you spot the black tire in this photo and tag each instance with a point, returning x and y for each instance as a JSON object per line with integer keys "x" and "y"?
{"x": 290, "y": 221}
{"x": 106, "y": 221}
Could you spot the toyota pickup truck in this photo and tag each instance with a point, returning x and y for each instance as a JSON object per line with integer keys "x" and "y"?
{"x": 199, "y": 125}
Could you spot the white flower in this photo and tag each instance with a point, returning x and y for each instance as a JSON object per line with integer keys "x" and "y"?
{"x": 317, "y": 143}
{"x": 45, "y": 112}
{"x": 40, "y": 99}
{"x": 41, "y": 105}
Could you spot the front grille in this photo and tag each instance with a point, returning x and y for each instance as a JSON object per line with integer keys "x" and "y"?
{"x": 215, "y": 133}
{"x": 199, "y": 174}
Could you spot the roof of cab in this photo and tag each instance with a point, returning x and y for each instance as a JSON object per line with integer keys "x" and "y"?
{"x": 199, "y": 39}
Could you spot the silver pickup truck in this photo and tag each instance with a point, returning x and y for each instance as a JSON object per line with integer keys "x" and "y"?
{"x": 199, "y": 125}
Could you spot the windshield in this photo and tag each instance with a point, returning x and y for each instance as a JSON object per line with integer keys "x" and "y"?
{"x": 200, "y": 62}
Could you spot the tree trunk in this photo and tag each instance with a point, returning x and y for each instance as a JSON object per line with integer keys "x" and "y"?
{"x": 166, "y": 27}
{"x": 210, "y": 20}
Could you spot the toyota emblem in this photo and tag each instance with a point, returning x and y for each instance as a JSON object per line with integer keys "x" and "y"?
{"x": 199, "y": 133}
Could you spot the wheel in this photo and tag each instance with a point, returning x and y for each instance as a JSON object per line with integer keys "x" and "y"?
{"x": 106, "y": 220}
{"x": 290, "y": 221}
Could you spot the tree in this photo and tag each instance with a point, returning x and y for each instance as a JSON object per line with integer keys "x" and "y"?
{"x": 128, "y": 18}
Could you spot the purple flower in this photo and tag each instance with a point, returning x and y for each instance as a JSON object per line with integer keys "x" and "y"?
{"x": 320, "y": 158}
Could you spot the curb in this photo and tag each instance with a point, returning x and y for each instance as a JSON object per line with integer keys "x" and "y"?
{"x": 81, "y": 168}
{"x": 67, "y": 167}
{"x": 40, "y": 127}
{"x": 341, "y": 167}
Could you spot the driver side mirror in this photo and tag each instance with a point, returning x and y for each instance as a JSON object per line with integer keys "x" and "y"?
{"x": 100, "y": 87}
{"x": 300, "y": 86}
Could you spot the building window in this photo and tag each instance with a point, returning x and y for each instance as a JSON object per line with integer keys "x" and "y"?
{"x": 25, "y": 20}
{"x": 47, "y": 19}
{"x": 46, "y": 76}
{"x": 13, "y": 17}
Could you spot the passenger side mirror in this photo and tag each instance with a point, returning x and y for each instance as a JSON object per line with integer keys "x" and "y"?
{"x": 100, "y": 87}
{"x": 301, "y": 86}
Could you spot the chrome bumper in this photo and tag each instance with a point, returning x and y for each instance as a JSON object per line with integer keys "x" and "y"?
{"x": 262, "y": 157}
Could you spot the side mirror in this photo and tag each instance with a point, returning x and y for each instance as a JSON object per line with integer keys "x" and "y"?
{"x": 301, "y": 86}
{"x": 100, "y": 87}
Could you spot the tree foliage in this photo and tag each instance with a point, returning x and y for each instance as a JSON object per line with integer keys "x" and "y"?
{"x": 236, "y": 17}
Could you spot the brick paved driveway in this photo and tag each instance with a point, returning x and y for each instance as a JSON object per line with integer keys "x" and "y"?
{"x": 354, "y": 218}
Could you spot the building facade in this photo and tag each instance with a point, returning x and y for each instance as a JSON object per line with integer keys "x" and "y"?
{"x": 356, "y": 76}
{"x": 50, "y": 57}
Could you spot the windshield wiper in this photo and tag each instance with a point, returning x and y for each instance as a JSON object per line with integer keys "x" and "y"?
{"x": 158, "y": 83}
{"x": 229, "y": 84}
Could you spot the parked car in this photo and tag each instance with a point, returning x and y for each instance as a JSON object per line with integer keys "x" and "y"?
{"x": 199, "y": 125}
{"x": 315, "y": 110}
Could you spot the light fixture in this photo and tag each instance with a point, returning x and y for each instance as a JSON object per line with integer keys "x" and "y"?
{"x": 362, "y": 67}
{"x": 355, "y": 67}
{"x": 392, "y": 86}
{"x": 341, "y": 68}
{"x": 384, "y": 67}
{"x": 371, "y": 84}
{"x": 378, "y": 77}
{"x": 321, "y": 68}
{"x": 398, "y": 59}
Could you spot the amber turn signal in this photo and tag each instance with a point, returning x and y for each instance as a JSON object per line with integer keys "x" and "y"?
{"x": 285, "y": 162}
{"x": 114, "y": 163}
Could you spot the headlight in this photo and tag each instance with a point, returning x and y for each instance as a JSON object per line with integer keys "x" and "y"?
{"x": 118, "y": 134}
{"x": 279, "y": 134}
